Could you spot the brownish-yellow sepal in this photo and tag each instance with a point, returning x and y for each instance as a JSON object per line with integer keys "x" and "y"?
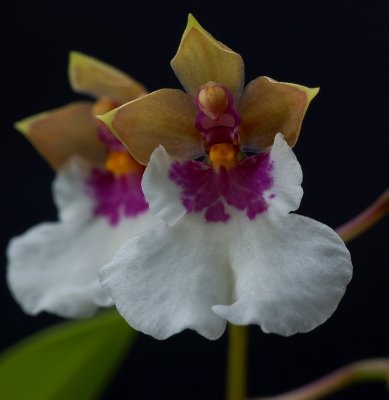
{"x": 98, "y": 79}
{"x": 61, "y": 133}
{"x": 268, "y": 107}
{"x": 200, "y": 58}
{"x": 163, "y": 117}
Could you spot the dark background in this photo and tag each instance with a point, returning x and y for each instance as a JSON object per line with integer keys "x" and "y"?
{"x": 341, "y": 47}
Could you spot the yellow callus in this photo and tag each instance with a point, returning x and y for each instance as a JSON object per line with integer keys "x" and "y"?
{"x": 121, "y": 163}
{"x": 223, "y": 155}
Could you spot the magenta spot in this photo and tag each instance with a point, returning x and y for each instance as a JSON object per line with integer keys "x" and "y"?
{"x": 217, "y": 213}
{"x": 110, "y": 141}
{"x": 242, "y": 187}
{"x": 116, "y": 197}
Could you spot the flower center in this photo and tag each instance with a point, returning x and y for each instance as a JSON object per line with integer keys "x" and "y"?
{"x": 115, "y": 188}
{"x": 217, "y": 119}
{"x": 121, "y": 163}
{"x": 227, "y": 179}
{"x": 118, "y": 161}
{"x": 223, "y": 155}
{"x": 245, "y": 187}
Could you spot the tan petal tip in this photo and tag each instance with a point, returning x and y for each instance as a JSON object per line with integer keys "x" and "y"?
{"x": 192, "y": 23}
{"x": 75, "y": 59}
{"x": 268, "y": 107}
{"x": 24, "y": 125}
{"x": 63, "y": 132}
{"x": 108, "y": 118}
{"x": 311, "y": 93}
{"x": 201, "y": 58}
{"x": 96, "y": 78}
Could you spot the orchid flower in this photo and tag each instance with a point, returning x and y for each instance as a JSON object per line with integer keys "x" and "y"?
{"x": 54, "y": 266}
{"x": 223, "y": 179}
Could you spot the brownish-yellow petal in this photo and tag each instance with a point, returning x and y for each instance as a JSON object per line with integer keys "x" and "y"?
{"x": 96, "y": 78}
{"x": 165, "y": 117}
{"x": 268, "y": 107}
{"x": 201, "y": 58}
{"x": 61, "y": 133}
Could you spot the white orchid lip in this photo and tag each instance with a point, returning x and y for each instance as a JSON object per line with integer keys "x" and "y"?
{"x": 54, "y": 266}
{"x": 282, "y": 271}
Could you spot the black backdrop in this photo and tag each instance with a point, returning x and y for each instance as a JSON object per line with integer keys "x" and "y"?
{"x": 343, "y": 151}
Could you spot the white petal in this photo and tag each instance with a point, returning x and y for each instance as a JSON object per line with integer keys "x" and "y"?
{"x": 54, "y": 266}
{"x": 69, "y": 190}
{"x": 286, "y": 193}
{"x": 167, "y": 279}
{"x": 290, "y": 273}
{"x": 160, "y": 191}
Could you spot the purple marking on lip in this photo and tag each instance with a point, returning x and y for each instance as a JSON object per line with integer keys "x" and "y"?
{"x": 116, "y": 196}
{"x": 217, "y": 213}
{"x": 242, "y": 187}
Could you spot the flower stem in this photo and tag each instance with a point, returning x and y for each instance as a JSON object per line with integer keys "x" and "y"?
{"x": 362, "y": 371}
{"x": 366, "y": 219}
{"x": 237, "y": 362}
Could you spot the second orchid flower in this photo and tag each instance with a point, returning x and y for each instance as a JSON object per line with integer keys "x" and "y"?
{"x": 53, "y": 266}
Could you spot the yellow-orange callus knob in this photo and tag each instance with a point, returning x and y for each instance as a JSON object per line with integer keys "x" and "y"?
{"x": 121, "y": 163}
{"x": 223, "y": 155}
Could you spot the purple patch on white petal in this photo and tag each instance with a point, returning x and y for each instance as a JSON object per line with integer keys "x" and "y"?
{"x": 242, "y": 187}
{"x": 110, "y": 141}
{"x": 116, "y": 197}
{"x": 217, "y": 213}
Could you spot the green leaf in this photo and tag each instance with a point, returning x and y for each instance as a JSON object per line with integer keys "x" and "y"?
{"x": 70, "y": 361}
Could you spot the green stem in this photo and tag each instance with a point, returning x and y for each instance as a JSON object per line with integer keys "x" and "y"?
{"x": 237, "y": 362}
{"x": 362, "y": 371}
